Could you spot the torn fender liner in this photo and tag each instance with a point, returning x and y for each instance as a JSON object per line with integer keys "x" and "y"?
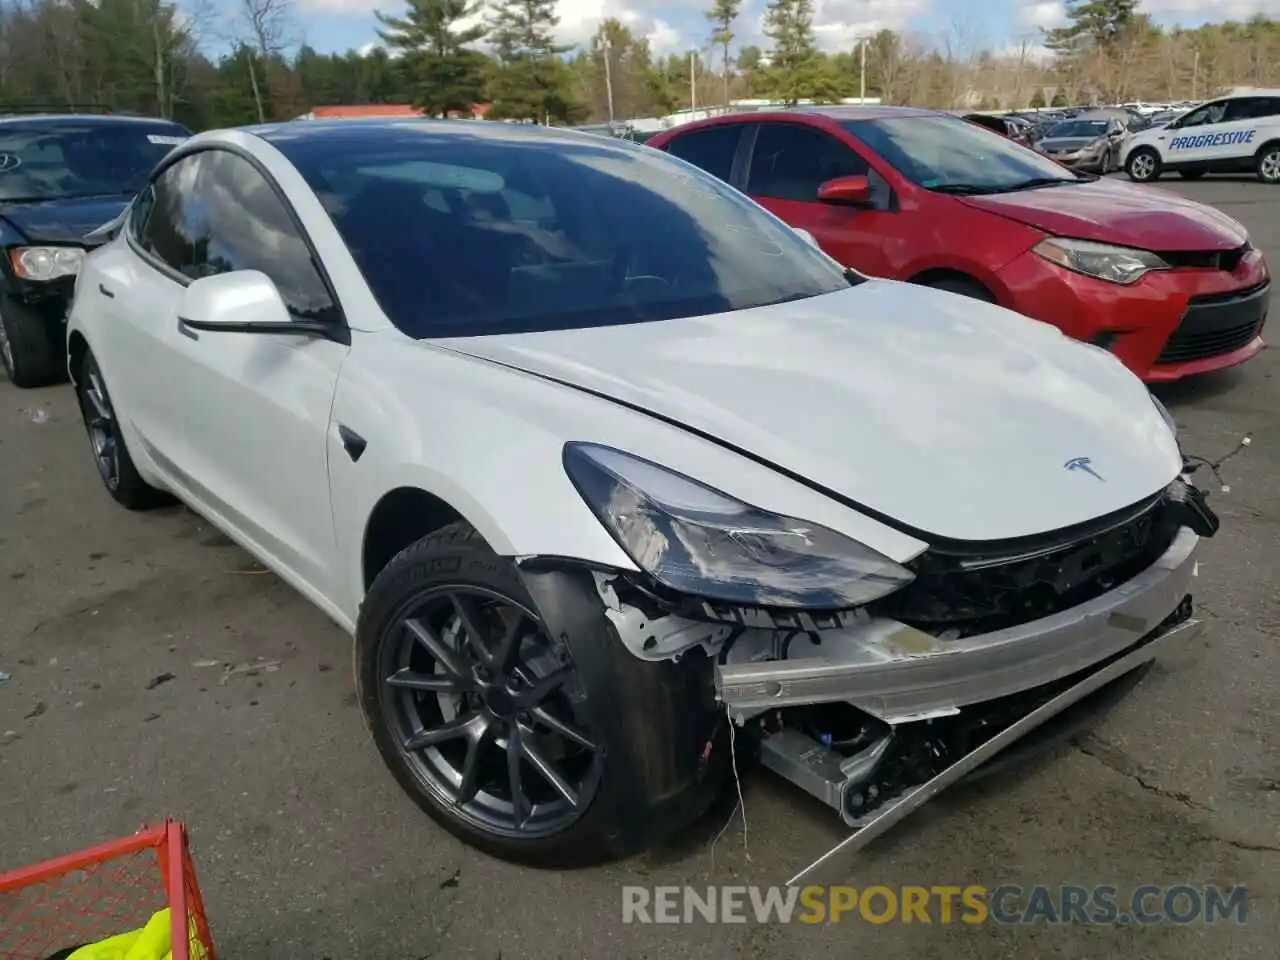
{"x": 661, "y": 715}
{"x": 831, "y": 866}
{"x": 898, "y": 674}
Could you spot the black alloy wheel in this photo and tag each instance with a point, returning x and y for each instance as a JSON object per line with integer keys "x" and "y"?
{"x": 100, "y": 422}
{"x": 487, "y": 713}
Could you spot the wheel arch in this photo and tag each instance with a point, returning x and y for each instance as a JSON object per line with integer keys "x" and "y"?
{"x": 1268, "y": 144}
{"x": 401, "y": 517}
{"x": 77, "y": 349}
{"x": 934, "y": 274}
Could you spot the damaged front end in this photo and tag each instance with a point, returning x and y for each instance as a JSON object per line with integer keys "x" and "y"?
{"x": 876, "y": 708}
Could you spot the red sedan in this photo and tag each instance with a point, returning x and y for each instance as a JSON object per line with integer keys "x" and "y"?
{"x": 1172, "y": 287}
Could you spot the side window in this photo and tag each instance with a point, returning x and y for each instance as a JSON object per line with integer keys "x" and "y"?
{"x": 251, "y": 229}
{"x": 1252, "y": 108}
{"x": 711, "y": 148}
{"x": 140, "y": 210}
{"x": 790, "y": 162}
{"x": 175, "y": 229}
{"x": 213, "y": 212}
{"x": 1209, "y": 113}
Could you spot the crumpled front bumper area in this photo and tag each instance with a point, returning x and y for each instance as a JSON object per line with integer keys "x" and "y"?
{"x": 899, "y": 674}
{"x": 945, "y": 708}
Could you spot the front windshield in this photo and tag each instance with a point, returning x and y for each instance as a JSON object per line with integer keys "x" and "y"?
{"x": 64, "y": 160}
{"x": 1079, "y": 129}
{"x": 485, "y": 233}
{"x": 947, "y": 155}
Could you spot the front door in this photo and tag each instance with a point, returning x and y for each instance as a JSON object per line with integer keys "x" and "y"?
{"x": 256, "y": 407}
{"x": 790, "y": 161}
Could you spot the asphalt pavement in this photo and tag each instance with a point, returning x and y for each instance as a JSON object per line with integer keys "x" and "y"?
{"x": 117, "y": 631}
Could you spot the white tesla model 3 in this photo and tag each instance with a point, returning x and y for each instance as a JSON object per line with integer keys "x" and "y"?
{"x": 597, "y": 459}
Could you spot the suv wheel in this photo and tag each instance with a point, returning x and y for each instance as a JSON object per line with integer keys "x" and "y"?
{"x": 1143, "y": 165}
{"x": 27, "y": 348}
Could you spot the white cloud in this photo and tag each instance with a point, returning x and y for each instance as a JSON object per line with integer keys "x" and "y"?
{"x": 1212, "y": 10}
{"x": 579, "y": 19}
{"x": 1042, "y": 15}
{"x": 839, "y": 24}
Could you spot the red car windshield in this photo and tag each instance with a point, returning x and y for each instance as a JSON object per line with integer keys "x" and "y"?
{"x": 949, "y": 155}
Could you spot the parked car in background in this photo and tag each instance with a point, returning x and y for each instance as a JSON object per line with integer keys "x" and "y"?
{"x": 1091, "y": 142}
{"x": 1172, "y": 287}
{"x": 61, "y": 179}
{"x": 545, "y": 420}
{"x": 1235, "y": 134}
{"x": 1015, "y": 129}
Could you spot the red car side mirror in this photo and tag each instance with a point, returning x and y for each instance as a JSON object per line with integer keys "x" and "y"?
{"x": 852, "y": 190}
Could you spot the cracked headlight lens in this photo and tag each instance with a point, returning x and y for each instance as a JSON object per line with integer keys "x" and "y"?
{"x": 697, "y": 540}
{"x": 1123, "y": 265}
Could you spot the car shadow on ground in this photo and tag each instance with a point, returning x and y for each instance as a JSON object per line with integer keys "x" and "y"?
{"x": 1199, "y": 389}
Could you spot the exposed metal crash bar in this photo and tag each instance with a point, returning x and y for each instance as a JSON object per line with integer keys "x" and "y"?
{"x": 899, "y": 674}
{"x": 826, "y": 868}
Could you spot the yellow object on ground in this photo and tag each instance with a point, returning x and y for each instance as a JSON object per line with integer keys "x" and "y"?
{"x": 152, "y": 942}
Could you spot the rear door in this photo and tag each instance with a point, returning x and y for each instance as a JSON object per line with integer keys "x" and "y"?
{"x": 136, "y": 287}
{"x": 790, "y": 161}
{"x": 713, "y": 148}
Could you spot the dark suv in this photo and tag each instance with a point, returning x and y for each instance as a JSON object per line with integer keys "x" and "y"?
{"x": 62, "y": 180}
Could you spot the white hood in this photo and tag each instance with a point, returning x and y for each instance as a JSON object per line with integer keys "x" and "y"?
{"x": 950, "y": 416}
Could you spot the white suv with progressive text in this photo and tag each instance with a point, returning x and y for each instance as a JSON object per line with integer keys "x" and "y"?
{"x": 1235, "y": 134}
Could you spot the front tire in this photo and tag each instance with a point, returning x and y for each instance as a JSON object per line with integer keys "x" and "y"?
{"x": 1268, "y": 167}
{"x": 110, "y": 453}
{"x": 1106, "y": 164}
{"x": 28, "y": 351}
{"x": 519, "y": 743}
{"x": 1143, "y": 165}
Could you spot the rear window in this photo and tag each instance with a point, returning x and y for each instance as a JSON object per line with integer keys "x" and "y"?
{"x": 63, "y": 160}
{"x": 462, "y": 235}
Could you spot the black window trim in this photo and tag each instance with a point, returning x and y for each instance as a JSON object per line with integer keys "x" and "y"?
{"x": 342, "y": 328}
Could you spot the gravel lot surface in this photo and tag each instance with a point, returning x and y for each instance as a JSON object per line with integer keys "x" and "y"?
{"x": 307, "y": 850}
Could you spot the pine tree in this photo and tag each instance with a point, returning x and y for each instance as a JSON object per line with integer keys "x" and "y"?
{"x": 1093, "y": 23}
{"x": 797, "y": 71}
{"x": 446, "y": 73}
{"x": 531, "y": 80}
{"x": 722, "y": 15}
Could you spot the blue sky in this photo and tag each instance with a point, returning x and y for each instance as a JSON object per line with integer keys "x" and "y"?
{"x": 679, "y": 25}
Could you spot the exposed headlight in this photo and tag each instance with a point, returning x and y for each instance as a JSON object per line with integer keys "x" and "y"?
{"x": 46, "y": 263}
{"x": 1103, "y": 261}
{"x": 699, "y": 541}
{"x": 1164, "y": 412}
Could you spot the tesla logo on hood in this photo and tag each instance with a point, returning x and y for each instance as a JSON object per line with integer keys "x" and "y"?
{"x": 1083, "y": 464}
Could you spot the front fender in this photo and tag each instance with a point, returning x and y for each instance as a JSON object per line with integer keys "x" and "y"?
{"x": 489, "y": 441}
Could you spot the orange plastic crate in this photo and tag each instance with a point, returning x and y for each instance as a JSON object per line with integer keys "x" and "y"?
{"x": 104, "y": 891}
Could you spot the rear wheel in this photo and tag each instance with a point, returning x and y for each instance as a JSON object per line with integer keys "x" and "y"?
{"x": 28, "y": 351}
{"x": 1143, "y": 165}
{"x": 110, "y": 454}
{"x": 1269, "y": 163}
{"x": 528, "y": 746}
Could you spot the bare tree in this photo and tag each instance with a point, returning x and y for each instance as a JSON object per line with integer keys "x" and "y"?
{"x": 266, "y": 28}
